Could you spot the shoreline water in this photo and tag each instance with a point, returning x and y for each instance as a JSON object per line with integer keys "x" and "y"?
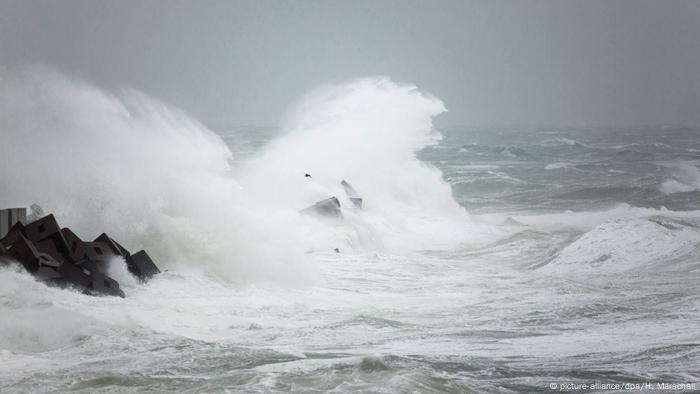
{"x": 567, "y": 261}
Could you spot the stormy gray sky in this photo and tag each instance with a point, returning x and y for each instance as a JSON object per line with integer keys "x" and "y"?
{"x": 492, "y": 62}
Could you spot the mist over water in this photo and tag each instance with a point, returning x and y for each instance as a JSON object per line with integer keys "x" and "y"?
{"x": 145, "y": 173}
{"x": 482, "y": 260}
{"x": 367, "y": 132}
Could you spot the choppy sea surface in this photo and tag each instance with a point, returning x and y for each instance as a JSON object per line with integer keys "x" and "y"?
{"x": 580, "y": 264}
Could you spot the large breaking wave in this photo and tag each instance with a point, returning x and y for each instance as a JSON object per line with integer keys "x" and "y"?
{"x": 155, "y": 178}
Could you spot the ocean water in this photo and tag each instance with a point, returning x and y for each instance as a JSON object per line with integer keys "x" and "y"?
{"x": 484, "y": 260}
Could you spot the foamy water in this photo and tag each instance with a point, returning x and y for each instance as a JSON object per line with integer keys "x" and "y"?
{"x": 482, "y": 261}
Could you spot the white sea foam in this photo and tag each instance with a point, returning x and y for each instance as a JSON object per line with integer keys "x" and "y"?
{"x": 367, "y": 132}
{"x": 557, "y": 166}
{"x": 627, "y": 244}
{"x": 587, "y": 220}
{"x": 147, "y": 174}
{"x": 561, "y": 141}
{"x": 154, "y": 178}
{"x": 685, "y": 177}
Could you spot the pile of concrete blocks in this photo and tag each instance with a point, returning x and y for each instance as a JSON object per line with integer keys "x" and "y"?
{"x": 57, "y": 256}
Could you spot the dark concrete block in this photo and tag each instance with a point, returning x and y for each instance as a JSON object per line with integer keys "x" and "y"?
{"x": 89, "y": 266}
{"x": 42, "y": 228}
{"x": 103, "y": 284}
{"x": 10, "y": 216}
{"x": 15, "y": 233}
{"x": 113, "y": 245}
{"x": 94, "y": 269}
{"x": 100, "y": 283}
{"x": 59, "y": 256}
{"x": 74, "y": 276}
{"x": 53, "y": 246}
{"x": 4, "y": 257}
{"x": 99, "y": 253}
{"x": 329, "y": 207}
{"x": 76, "y": 246}
{"x": 24, "y": 252}
{"x": 141, "y": 265}
{"x": 4, "y": 222}
{"x": 32, "y": 256}
{"x": 48, "y": 238}
{"x": 47, "y": 274}
{"x": 46, "y": 260}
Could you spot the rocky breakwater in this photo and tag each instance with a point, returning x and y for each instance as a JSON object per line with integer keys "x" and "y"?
{"x": 57, "y": 256}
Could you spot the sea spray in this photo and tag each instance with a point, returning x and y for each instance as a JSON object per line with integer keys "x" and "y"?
{"x": 142, "y": 171}
{"x": 156, "y": 178}
{"x": 537, "y": 304}
{"x": 685, "y": 177}
{"x": 368, "y": 132}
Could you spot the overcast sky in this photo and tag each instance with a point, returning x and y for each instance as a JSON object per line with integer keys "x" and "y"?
{"x": 492, "y": 62}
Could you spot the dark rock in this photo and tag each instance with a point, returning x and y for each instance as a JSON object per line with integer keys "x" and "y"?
{"x": 329, "y": 207}
{"x": 141, "y": 265}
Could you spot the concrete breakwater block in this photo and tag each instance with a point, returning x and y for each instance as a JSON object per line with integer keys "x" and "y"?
{"x": 112, "y": 244}
{"x": 58, "y": 256}
{"x": 10, "y": 216}
{"x": 141, "y": 265}
{"x": 26, "y": 253}
{"x": 329, "y": 207}
{"x": 352, "y": 194}
{"x": 76, "y": 246}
